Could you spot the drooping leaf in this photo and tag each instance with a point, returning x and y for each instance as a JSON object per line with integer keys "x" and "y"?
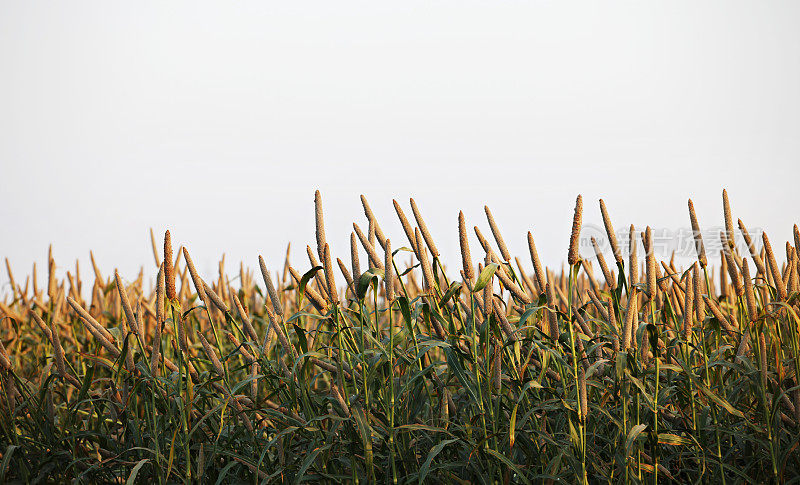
{"x": 366, "y": 278}
{"x": 633, "y": 434}
{"x": 485, "y": 277}
{"x": 306, "y": 278}
{"x": 423, "y": 471}
{"x": 132, "y": 477}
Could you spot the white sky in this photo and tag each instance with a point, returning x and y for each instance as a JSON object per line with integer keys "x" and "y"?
{"x": 220, "y": 120}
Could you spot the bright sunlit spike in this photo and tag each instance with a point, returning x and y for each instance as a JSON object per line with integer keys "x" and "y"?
{"x": 760, "y": 267}
{"x": 169, "y": 274}
{"x": 273, "y": 295}
{"x": 319, "y": 276}
{"x": 773, "y": 266}
{"x": 633, "y": 260}
{"x": 726, "y": 210}
{"x": 796, "y": 233}
{"x": 368, "y": 247}
{"x": 329, "y": 277}
{"x": 422, "y": 256}
{"x": 388, "y": 277}
{"x": 320, "y": 233}
{"x": 612, "y": 284}
{"x": 699, "y": 302}
{"x": 466, "y": 258}
{"x": 215, "y": 298}
{"x": 552, "y": 318}
{"x": 404, "y": 223}
{"x": 371, "y": 217}
{"x": 155, "y": 353}
{"x": 574, "y": 239}
{"x": 199, "y": 286}
{"x": 749, "y": 294}
{"x": 501, "y": 244}
{"x": 612, "y": 237}
{"x": 650, "y": 263}
{"x": 733, "y": 268}
{"x": 538, "y": 269}
{"x": 348, "y": 277}
{"x": 424, "y": 229}
{"x": 698, "y": 236}
{"x": 627, "y": 330}
{"x": 126, "y": 304}
{"x": 354, "y": 262}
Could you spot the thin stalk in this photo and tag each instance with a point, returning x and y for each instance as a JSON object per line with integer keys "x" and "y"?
{"x": 581, "y": 421}
{"x": 656, "y": 451}
{"x": 713, "y": 406}
{"x": 391, "y": 393}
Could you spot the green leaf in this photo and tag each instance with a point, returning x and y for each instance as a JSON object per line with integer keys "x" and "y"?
{"x": 301, "y": 337}
{"x": 224, "y": 472}
{"x": 423, "y": 471}
{"x": 373, "y": 340}
{"x": 485, "y": 277}
{"x": 622, "y": 281}
{"x": 455, "y": 365}
{"x": 87, "y": 382}
{"x": 408, "y": 270}
{"x": 366, "y": 278}
{"x": 632, "y": 435}
{"x": 6, "y": 460}
{"x": 525, "y": 316}
{"x": 555, "y": 464}
{"x": 364, "y": 430}
{"x": 424, "y": 427}
{"x": 306, "y": 277}
{"x": 672, "y": 439}
{"x": 512, "y": 427}
{"x": 402, "y": 248}
{"x": 621, "y": 362}
{"x": 400, "y": 336}
{"x": 638, "y": 384}
{"x": 452, "y": 290}
{"x": 308, "y": 461}
{"x": 719, "y": 401}
{"x": 509, "y": 464}
{"x": 593, "y": 368}
{"x": 132, "y": 477}
{"x": 404, "y": 309}
{"x": 574, "y": 436}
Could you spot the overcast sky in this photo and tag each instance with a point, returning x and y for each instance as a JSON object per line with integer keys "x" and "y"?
{"x": 219, "y": 120}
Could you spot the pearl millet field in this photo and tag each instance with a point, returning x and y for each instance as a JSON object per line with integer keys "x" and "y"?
{"x": 383, "y": 366}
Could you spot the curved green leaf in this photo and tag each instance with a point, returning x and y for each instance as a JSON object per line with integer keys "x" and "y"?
{"x": 306, "y": 277}
{"x": 485, "y": 277}
{"x": 423, "y": 471}
{"x": 366, "y": 279}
